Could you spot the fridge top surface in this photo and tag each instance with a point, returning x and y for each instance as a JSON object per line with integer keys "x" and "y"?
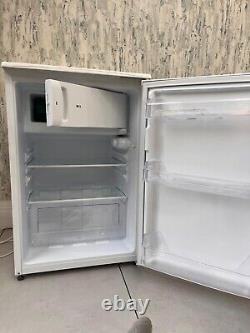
{"x": 147, "y": 81}
{"x": 194, "y": 80}
{"x": 67, "y": 69}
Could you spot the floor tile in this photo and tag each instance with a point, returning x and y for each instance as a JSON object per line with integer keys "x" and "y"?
{"x": 65, "y": 301}
{"x": 177, "y": 306}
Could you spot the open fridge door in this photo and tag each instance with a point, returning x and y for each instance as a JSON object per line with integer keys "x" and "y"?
{"x": 196, "y": 222}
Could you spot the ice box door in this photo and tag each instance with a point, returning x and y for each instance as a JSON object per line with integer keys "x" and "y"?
{"x": 72, "y": 105}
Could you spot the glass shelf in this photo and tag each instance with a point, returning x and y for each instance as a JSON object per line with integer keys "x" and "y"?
{"x": 93, "y": 194}
{"x": 101, "y": 164}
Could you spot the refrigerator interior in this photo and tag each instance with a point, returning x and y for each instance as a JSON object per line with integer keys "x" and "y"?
{"x": 79, "y": 190}
{"x": 197, "y": 193}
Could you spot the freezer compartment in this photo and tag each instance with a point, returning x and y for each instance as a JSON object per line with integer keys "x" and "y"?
{"x": 38, "y": 108}
{"x": 32, "y": 100}
{"x": 72, "y": 105}
{"x": 77, "y": 215}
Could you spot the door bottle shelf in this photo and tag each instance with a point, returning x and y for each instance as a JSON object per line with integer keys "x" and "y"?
{"x": 204, "y": 184}
{"x": 216, "y": 109}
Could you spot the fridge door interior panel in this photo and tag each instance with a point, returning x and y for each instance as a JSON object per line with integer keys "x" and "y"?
{"x": 197, "y": 183}
{"x": 72, "y": 105}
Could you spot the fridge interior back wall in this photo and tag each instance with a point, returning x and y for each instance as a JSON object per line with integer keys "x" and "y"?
{"x": 115, "y": 171}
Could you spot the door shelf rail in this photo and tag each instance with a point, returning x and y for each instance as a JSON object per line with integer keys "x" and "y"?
{"x": 216, "y": 109}
{"x": 203, "y": 184}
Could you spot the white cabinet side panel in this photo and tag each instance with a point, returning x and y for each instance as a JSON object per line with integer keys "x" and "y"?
{"x": 14, "y": 172}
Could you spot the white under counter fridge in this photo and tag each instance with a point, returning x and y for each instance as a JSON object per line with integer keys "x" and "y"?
{"x": 110, "y": 167}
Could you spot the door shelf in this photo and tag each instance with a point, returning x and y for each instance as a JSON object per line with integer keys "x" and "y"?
{"x": 204, "y": 184}
{"x": 217, "y": 109}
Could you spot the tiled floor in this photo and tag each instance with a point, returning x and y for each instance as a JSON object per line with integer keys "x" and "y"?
{"x": 70, "y": 301}
{"x": 182, "y": 307}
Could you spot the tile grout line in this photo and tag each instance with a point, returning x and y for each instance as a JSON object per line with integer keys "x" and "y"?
{"x": 126, "y": 285}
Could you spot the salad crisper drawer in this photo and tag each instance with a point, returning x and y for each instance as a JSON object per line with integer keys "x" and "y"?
{"x": 71, "y": 221}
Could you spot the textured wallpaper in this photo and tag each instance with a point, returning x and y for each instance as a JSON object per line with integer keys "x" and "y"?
{"x": 166, "y": 38}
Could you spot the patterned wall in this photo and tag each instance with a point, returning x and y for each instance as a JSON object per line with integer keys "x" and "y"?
{"x": 166, "y": 38}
